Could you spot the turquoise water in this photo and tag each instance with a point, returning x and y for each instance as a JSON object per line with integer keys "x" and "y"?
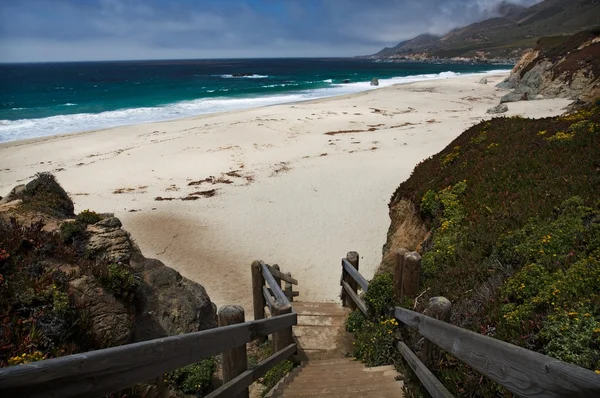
{"x": 53, "y": 98}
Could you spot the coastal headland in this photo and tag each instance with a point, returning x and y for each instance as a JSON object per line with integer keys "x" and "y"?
{"x": 295, "y": 184}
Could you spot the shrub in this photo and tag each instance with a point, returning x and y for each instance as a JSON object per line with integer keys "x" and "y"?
{"x": 380, "y": 295}
{"x": 355, "y": 321}
{"x": 193, "y": 379}
{"x": 276, "y": 373}
{"x": 88, "y": 217}
{"x": 374, "y": 342}
{"x": 72, "y": 231}
{"x": 120, "y": 280}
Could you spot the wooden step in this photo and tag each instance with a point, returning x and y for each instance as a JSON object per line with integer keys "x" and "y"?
{"x": 333, "y": 309}
{"x": 370, "y": 388}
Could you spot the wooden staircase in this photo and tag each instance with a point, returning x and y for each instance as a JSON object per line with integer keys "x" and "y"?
{"x": 326, "y": 369}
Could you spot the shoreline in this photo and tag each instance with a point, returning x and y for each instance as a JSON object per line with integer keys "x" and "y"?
{"x": 60, "y": 135}
{"x": 295, "y": 184}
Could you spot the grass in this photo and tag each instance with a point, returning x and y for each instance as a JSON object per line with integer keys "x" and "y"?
{"x": 513, "y": 209}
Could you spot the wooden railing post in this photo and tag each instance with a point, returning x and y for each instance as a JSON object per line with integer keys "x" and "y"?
{"x": 258, "y": 300}
{"x": 235, "y": 361}
{"x": 410, "y": 274}
{"x": 289, "y": 292}
{"x": 398, "y": 271}
{"x": 283, "y": 337}
{"x": 438, "y": 308}
{"x": 352, "y": 258}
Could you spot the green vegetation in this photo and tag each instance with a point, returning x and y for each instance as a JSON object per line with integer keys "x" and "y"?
{"x": 515, "y": 221}
{"x": 88, "y": 217}
{"x": 120, "y": 280}
{"x": 37, "y": 319}
{"x": 194, "y": 379}
{"x": 276, "y": 373}
{"x": 44, "y": 194}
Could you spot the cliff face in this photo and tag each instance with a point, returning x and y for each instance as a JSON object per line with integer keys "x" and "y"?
{"x": 564, "y": 66}
{"x": 75, "y": 283}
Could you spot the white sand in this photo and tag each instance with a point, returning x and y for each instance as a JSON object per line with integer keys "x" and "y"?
{"x": 305, "y": 216}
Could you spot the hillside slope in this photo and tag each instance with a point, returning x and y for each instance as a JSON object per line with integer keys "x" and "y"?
{"x": 505, "y": 37}
{"x": 514, "y": 216}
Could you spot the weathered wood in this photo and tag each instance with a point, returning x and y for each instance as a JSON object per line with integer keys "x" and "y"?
{"x": 358, "y": 303}
{"x": 350, "y": 264}
{"x": 268, "y": 298}
{"x": 258, "y": 282}
{"x": 283, "y": 337}
{"x": 286, "y": 277}
{"x": 411, "y": 274}
{"x": 398, "y": 269}
{"x": 438, "y": 308}
{"x": 277, "y": 292}
{"x": 231, "y": 388}
{"x": 289, "y": 291}
{"x": 235, "y": 360}
{"x": 523, "y": 372}
{"x": 278, "y": 272}
{"x": 98, "y": 373}
{"x": 429, "y": 381}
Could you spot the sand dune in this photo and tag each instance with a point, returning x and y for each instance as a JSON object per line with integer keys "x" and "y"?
{"x": 298, "y": 185}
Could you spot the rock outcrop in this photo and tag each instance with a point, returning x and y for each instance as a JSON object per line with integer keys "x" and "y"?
{"x": 560, "y": 67}
{"x": 159, "y": 301}
{"x": 502, "y": 108}
{"x": 375, "y": 82}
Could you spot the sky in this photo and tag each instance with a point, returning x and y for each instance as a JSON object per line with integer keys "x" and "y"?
{"x": 85, "y": 30}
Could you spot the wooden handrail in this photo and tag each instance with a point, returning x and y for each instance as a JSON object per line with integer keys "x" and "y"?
{"x": 430, "y": 382}
{"x": 242, "y": 381}
{"x": 275, "y": 287}
{"x": 359, "y": 303}
{"x": 102, "y": 372}
{"x": 364, "y": 285}
{"x": 278, "y": 274}
{"x": 521, "y": 371}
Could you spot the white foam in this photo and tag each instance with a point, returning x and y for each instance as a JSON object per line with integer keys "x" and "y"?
{"x": 11, "y": 130}
{"x": 328, "y": 81}
{"x": 244, "y": 77}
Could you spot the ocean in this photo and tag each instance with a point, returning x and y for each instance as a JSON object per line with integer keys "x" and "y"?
{"x": 43, "y": 99}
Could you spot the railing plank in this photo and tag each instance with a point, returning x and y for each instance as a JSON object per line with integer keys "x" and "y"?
{"x": 268, "y": 298}
{"x": 101, "y": 372}
{"x": 523, "y": 372}
{"x": 355, "y": 275}
{"x": 278, "y": 274}
{"x": 236, "y": 385}
{"x": 430, "y": 382}
{"x": 275, "y": 288}
{"x": 359, "y": 303}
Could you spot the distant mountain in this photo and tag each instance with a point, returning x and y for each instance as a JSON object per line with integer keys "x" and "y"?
{"x": 505, "y": 37}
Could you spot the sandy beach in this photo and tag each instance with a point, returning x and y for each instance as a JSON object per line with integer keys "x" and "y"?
{"x": 298, "y": 184}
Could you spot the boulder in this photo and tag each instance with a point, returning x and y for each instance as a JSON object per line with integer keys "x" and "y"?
{"x": 346, "y": 81}
{"x": 110, "y": 321}
{"x": 483, "y": 81}
{"x": 168, "y": 303}
{"x": 501, "y": 108}
{"x": 513, "y": 97}
{"x": 375, "y": 82}
{"x": 107, "y": 241}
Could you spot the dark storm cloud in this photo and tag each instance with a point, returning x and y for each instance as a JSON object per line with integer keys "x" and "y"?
{"x": 48, "y": 30}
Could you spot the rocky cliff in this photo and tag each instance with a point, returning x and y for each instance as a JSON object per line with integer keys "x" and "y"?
{"x": 562, "y": 66}
{"x": 71, "y": 283}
